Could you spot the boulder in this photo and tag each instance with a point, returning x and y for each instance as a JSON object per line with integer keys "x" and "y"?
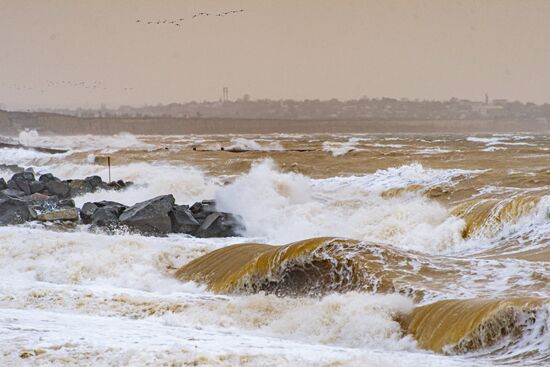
{"x": 3, "y": 184}
{"x": 203, "y": 209}
{"x": 26, "y": 175}
{"x": 102, "y": 213}
{"x": 220, "y": 224}
{"x": 36, "y": 187}
{"x": 87, "y": 211}
{"x": 15, "y": 211}
{"x": 183, "y": 220}
{"x": 22, "y": 181}
{"x": 94, "y": 181}
{"x": 106, "y": 216}
{"x": 47, "y": 177}
{"x": 58, "y": 188}
{"x": 151, "y": 216}
{"x": 61, "y": 214}
{"x": 11, "y": 193}
{"x": 79, "y": 187}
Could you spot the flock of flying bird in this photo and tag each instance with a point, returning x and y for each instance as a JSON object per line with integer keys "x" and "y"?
{"x": 179, "y": 21}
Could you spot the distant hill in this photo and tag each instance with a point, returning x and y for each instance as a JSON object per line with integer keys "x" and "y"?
{"x": 11, "y": 123}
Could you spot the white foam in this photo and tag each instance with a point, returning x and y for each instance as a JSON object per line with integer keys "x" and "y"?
{"x": 250, "y": 144}
{"x": 284, "y": 207}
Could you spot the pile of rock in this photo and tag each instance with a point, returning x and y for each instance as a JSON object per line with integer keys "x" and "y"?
{"x": 24, "y": 198}
{"x": 48, "y": 199}
{"x": 161, "y": 215}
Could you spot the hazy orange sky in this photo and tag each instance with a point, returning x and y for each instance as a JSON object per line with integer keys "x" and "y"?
{"x": 275, "y": 49}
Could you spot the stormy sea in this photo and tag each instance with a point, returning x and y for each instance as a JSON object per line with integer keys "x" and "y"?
{"x": 347, "y": 250}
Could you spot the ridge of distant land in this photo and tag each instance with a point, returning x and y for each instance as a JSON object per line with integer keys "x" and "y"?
{"x": 357, "y": 109}
{"x": 11, "y": 123}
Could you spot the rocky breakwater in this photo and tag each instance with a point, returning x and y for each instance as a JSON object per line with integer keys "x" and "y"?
{"x": 161, "y": 215}
{"x": 23, "y": 198}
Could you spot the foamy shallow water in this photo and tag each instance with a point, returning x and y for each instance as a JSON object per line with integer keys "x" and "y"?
{"x": 81, "y": 298}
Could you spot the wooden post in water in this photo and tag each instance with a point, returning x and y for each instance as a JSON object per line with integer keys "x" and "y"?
{"x": 109, "y": 164}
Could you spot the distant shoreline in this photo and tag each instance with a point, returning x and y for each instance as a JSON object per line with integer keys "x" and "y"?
{"x": 48, "y": 123}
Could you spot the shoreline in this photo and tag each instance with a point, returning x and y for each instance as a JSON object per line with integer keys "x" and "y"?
{"x": 11, "y": 123}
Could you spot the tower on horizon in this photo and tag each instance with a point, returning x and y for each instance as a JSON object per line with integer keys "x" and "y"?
{"x": 225, "y": 92}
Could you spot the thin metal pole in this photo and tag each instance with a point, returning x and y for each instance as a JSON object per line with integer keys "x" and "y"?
{"x": 109, "y": 164}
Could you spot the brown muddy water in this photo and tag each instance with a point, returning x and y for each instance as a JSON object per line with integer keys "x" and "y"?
{"x": 358, "y": 250}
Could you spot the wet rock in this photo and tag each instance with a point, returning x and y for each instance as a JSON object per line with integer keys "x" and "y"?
{"x": 3, "y": 184}
{"x": 58, "y": 188}
{"x": 67, "y": 203}
{"x": 87, "y": 211}
{"x": 15, "y": 211}
{"x": 70, "y": 214}
{"x": 94, "y": 181}
{"x": 27, "y": 175}
{"x": 106, "y": 216}
{"x": 37, "y": 187}
{"x": 219, "y": 224}
{"x": 183, "y": 220}
{"x": 203, "y": 209}
{"x": 22, "y": 181}
{"x": 151, "y": 216}
{"x": 79, "y": 187}
{"x": 47, "y": 177}
{"x": 11, "y": 193}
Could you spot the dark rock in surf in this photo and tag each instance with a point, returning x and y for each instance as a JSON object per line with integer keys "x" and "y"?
{"x": 220, "y": 224}
{"x": 94, "y": 181}
{"x": 106, "y": 216}
{"x": 11, "y": 193}
{"x": 47, "y": 177}
{"x": 79, "y": 187}
{"x": 58, "y": 188}
{"x": 15, "y": 211}
{"x": 87, "y": 211}
{"x": 3, "y": 184}
{"x": 22, "y": 181}
{"x": 203, "y": 209}
{"x": 183, "y": 220}
{"x": 151, "y": 216}
{"x": 101, "y": 213}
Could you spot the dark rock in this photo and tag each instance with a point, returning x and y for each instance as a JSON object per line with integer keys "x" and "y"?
{"x": 87, "y": 211}
{"x": 15, "y": 211}
{"x": 79, "y": 187}
{"x": 119, "y": 206}
{"x": 102, "y": 213}
{"x": 12, "y": 193}
{"x": 67, "y": 203}
{"x": 37, "y": 186}
{"x": 106, "y": 216}
{"x": 58, "y": 188}
{"x": 203, "y": 209}
{"x": 220, "y": 225}
{"x": 3, "y": 184}
{"x": 183, "y": 220}
{"x": 94, "y": 181}
{"x": 22, "y": 181}
{"x": 151, "y": 216}
{"x": 47, "y": 177}
{"x": 20, "y": 185}
{"x": 24, "y": 176}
